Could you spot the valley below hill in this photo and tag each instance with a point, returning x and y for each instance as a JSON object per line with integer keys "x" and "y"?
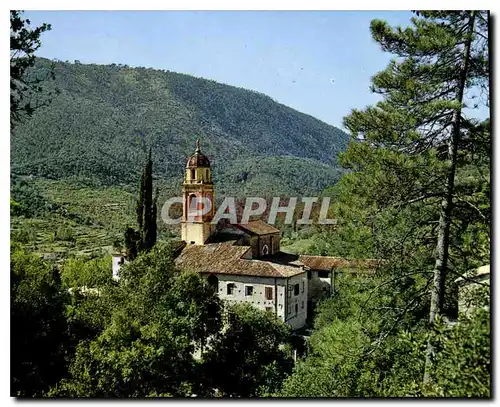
{"x": 76, "y": 162}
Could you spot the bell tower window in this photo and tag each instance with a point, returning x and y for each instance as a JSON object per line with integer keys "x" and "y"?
{"x": 193, "y": 174}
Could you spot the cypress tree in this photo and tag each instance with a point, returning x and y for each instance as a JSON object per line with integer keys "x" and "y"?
{"x": 147, "y": 238}
{"x": 154, "y": 211}
{"x": 131, "y": 240}
{"x": 146, "y": 209}
{"x": 139, "y": 206}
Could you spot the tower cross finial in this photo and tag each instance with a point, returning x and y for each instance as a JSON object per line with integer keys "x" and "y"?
{"x": 198, "y": 149}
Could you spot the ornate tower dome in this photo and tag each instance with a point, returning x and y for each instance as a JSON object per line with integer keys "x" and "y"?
{"x": 198, "y": 160}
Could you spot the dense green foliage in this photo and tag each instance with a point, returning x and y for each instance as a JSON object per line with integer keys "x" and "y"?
{"x": 146, "y": 344}
{"x": 463, "y": 363}
{"x": 39, "y": 337}
{"x": 77, "y": 273}
{"x": 246, "y": 359}
{"x": 25, "y": 84}
{"x": 156, "y": 333}
{"x": 28, "y": 201}
{"x": 99, "y": 125}
{"x": 348, "y": 356}
{"x": 417, "y": 196}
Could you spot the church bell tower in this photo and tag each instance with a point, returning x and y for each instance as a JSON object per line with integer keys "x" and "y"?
{"x": 197, "y": 191}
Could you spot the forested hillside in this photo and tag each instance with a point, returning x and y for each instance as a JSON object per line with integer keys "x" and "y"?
{"x": 415, "y": 200}
{"x": 103, "y": 118}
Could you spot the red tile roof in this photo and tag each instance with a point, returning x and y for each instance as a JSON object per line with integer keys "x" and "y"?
{"x": 223, "y": 258}
{"x": 258, "y": 227}
{"x": 327, "y": 263}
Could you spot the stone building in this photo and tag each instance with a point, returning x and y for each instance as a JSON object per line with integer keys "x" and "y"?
{"x": 244, "y": 263}
{"x": 322, "y": 272}
{"x": 271, "y": 283}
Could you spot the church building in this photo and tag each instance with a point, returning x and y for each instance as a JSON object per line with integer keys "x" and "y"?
{"x": 243, "y": 262}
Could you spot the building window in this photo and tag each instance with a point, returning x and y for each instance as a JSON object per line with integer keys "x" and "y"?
{"x": 323, "y": 274}
{"x": 296, "y": 289}
{"x": 269, "y": 309}
{"x": 296, "y": 308}
{"x": 290, "y": 289}
{"x": 213, "y": 281}
{"x": 265, "y": 250}
{"x": 303, "y": 286}
{"x": 230, "y": 289}
{"x": 309, "y": 274}
{"x": 248, "y": 290}
{"x": 269, "y": 293}
{"x": 193, "y": 174}
{"x": 302, "y": 305}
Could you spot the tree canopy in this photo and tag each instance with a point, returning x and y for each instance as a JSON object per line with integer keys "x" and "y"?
{"x": 25, "y": 84}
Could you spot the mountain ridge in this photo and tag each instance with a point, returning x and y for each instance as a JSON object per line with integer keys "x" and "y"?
{"x": 105, "y": 117}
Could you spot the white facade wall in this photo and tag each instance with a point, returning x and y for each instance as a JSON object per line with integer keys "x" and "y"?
{"x": 117, "y": 261}
{"x": 319, "y": 287}
{"x": 279, "y": 305}
{"x": 258, "y": 298}
{"x": 296, "y": 305}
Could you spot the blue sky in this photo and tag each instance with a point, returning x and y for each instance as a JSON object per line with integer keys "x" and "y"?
{"x": 319, "y": 63}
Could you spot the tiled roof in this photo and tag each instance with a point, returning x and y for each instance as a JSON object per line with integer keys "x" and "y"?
{"x": 226, "y": 236}
{"x": 222, "y": 258}
{"x": 177, "y": 246}
{"x": 327, "y": 263}
{"x": 258, "y": 227}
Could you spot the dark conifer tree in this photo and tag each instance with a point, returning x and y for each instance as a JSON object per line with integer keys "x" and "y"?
{"x": 418, "y": 131}
{"x": 146, "y": 208}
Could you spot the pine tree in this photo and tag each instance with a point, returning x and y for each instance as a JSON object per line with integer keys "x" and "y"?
{"x": 412, "y": 143}
{"x": 24, "y": 42}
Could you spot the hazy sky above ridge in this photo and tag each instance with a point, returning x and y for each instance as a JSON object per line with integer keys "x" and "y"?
{"x": 319, "y": 63}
